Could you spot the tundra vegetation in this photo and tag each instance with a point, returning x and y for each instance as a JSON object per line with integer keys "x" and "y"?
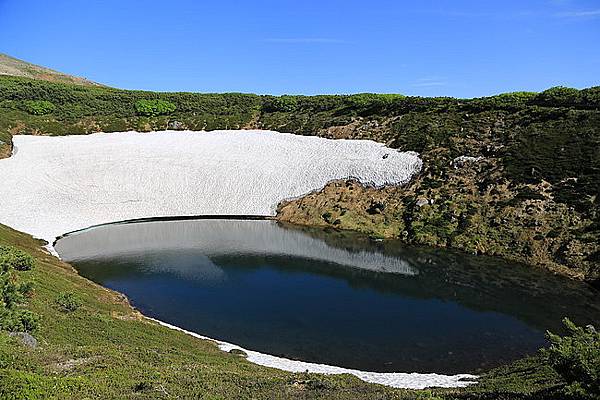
{"x": 528, "y": 190}
{"x": 14, "y": 291}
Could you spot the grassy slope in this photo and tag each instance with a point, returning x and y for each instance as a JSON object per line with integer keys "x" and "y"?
{"x": 15, "y": 67}
{"x": 106, "y": 349}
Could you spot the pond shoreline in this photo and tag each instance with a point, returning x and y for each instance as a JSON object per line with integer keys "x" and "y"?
{"x": 403, "y": 380}
{"x": 116, "y": 244}
{"x": 400, "y": 380}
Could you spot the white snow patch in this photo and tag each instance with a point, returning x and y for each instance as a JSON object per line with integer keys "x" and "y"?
{"x": 393, "y": 379}
{"x": 55, "y": 185}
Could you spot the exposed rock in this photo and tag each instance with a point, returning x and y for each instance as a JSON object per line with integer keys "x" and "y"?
{"x": 375, "y": 207}
{"x": 463, "y": 160}
{"x": 176, "y": 125}
{"x": 238, "y": 352}
{"x": 25, "y": 338}
{"x": 422, "y": 202}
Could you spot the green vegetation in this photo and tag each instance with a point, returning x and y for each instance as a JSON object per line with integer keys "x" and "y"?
{"x": 11, "y": 258}
{"x": 38, "y": 107}
{"x": 13, "y": 292}
{"x": 154, "y": 107}
{"x": 68, "y": 302}
{"x": 576, "y": 357}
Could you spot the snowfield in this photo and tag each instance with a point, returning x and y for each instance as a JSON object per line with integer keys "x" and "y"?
{"x": 55, "y": 185}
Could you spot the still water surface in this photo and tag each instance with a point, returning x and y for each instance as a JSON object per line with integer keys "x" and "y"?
{"x": 330, "y": 297}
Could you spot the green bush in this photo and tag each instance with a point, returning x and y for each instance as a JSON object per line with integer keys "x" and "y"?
{"x": 280, "y": 104}
{"x": 153, "y": 108}
{"x": 11, "y": 257}
{"x": 19, "y": 321}
{"x": 68, "y": 302}
{"x": 13, "y": 293}
{"x": 39, "y": 107}
{"x": 559, "y": 96}
{"x": 576, "y": 357}
{"x": 369, "y": 100}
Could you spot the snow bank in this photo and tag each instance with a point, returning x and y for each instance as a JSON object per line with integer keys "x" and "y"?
{"x": 54, "y": 185}
{"x": 393, "y": 379}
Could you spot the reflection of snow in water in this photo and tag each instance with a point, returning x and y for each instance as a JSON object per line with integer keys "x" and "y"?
{"x": 54, "y": 185}
{"x": 191, "y": 267}
{"x": 216, "y": 237}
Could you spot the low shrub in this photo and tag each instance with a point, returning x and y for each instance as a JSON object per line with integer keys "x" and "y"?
{"x": 11, "y": 257}
{"x": 39, "y": 107}
{"x": 13, "y": 293}
{"x": 19, "y": 321}
{"x": 153, "y": 108}
{"x": 68, "y": 302}
{"x": 280, "y": 104}
{"x": 576, "y": 357}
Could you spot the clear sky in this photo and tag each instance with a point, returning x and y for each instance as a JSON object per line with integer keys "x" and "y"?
{"x": 461, "y": 48}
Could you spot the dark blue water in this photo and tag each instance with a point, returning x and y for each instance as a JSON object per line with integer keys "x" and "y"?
{"x": 331, "y": 298}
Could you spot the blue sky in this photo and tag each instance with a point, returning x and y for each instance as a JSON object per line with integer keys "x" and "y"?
{"x": 430, "y": 48}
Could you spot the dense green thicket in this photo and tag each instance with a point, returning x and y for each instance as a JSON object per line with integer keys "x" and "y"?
{"x": 576, "y": 357}
{"x": 13, "y": 292}
{"x": 73, "y": 101}
{"x": 38, "y": 107}
{"x": 154, "y": 107}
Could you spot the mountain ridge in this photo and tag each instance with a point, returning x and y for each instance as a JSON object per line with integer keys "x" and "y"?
{"x": 15, "y": 67}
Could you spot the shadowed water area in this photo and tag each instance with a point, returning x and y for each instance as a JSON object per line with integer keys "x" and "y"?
{"x": 331, "y": 297}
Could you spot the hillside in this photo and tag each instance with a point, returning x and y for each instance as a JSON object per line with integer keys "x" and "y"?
{"x": 515, "y": 175}
{"x": 15, "y": 67}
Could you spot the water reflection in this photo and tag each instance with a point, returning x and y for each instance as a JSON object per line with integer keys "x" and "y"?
{"x": 331, "y": 297}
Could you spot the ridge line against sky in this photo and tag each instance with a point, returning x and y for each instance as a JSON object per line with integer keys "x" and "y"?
{"x": 461, "y": 48}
